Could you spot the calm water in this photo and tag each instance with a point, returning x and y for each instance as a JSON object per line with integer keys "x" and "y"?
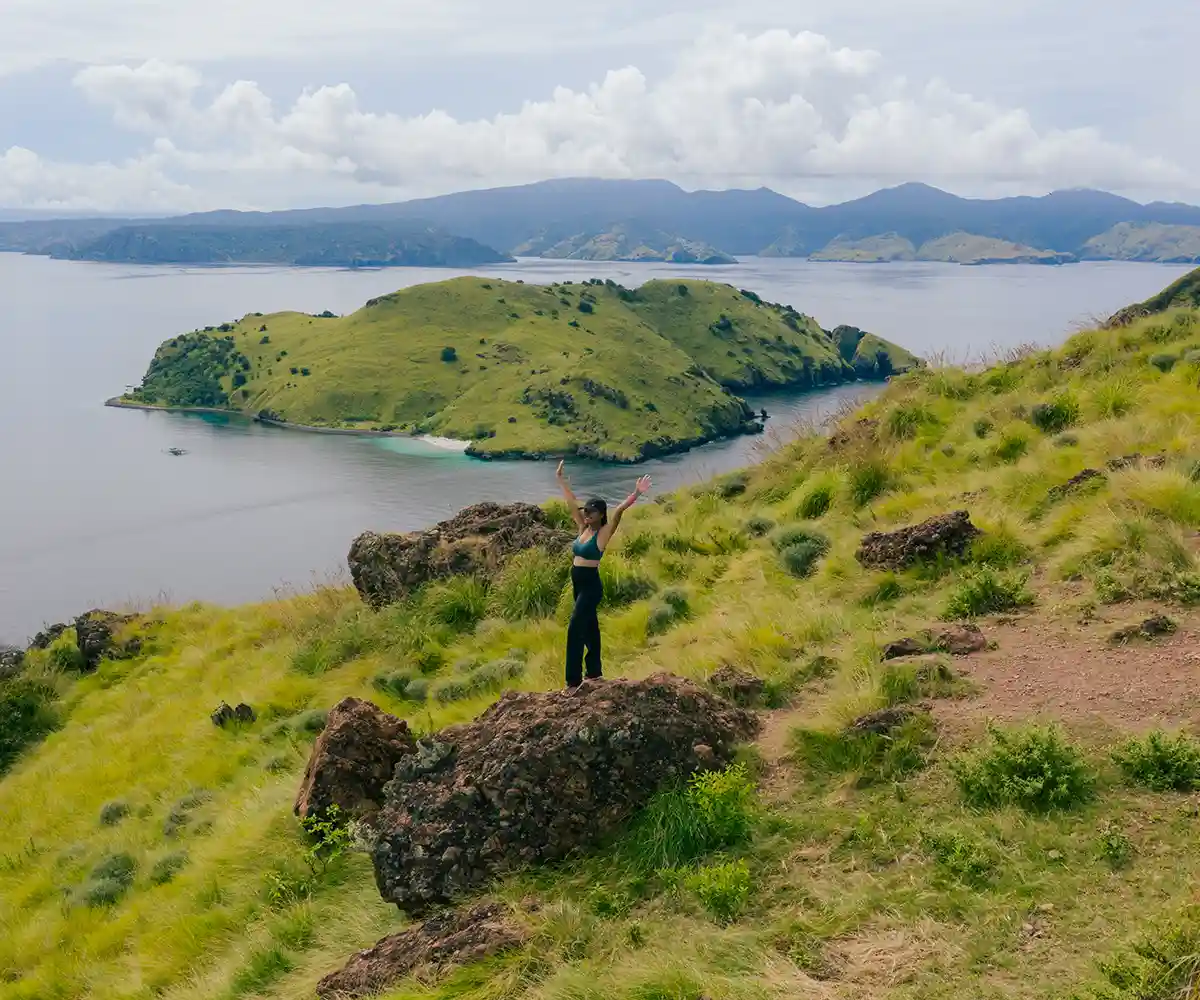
{"x": 93, "y": 512}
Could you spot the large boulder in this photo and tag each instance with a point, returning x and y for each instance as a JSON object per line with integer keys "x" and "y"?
{"x": 946, "y": 535}
{"x": 539, "y": 776}
{"x": 958, "y": 640}
{"x": 353, "y": 758}
{"x": 453, "y": 938}
{"x": 477, "y": 540}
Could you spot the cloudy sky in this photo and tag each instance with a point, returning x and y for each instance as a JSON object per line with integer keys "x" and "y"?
{"x": 149, "y": 105}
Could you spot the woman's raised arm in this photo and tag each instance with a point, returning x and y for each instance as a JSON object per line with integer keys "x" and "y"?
{"x": 614, "y": 521}
{"x": 572, "y": 500}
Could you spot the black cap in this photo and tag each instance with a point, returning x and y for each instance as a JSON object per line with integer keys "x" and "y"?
{"x": 596, "y": 506}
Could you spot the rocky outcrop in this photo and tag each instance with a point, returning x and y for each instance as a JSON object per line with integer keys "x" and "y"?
{"x": 353, "y": 758}
{"x": 1137, "y": 460}
{"x": 947, "y": 535}
{"x": 958, "y": 640}
{"x": 539, "y": 776}
{"x": 11, "y": 661}
{"x": 224, "y": 715}
{"x": 45, "y": 638}
{"x": 738, "y": 686}
{"x": 95, "y": 633}
{"x": 1056, "y": 493}
{"x": 443, "y": 941}
{"x": 386, "y": 568}
{"x": 882, "y": 722}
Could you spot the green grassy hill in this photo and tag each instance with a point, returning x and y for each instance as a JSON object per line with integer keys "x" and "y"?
{"x": 593, "y": 368}
{"x": 1181, "y": 294}
{"x": 145, "y": 853}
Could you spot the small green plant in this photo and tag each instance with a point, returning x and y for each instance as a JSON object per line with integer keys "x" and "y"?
{"x": 108, "y": 882}
{"x": 1160, "y": 762}
{"x": 757, "y": 526}
{"x": 28, "y": 714}
{"x": 998, "y": 549}
{"x": 266, "y": 966}
{"x": 985, "y": 592}
{"x": 449, "y": 354}
{"x": 723, "y": 889}
{"x": 529, "y": 586}
{"x": 714, "y": 811}
{"x": 623, "y": 584}
{"x": 817, "y": 500}
{"x": 330, "y": 837}
{"x": 1163, "y": 362}
{"x": 1012, "y": 445}
{"x": 868, "y": 479}
{"x": 883, "y": 590}
{"x": 983, "y": 427}
{"x": 906, "y": 420}
{"x": 637, "y": 544}
{"x": 1033, "y": 768}
{"x": 661, "y": 618}
{"x": 167, "y": 867}
{"x": 488, "y": 678}
{"x": 113, "y": 812}
{"x": 1162, "y": 965}
{"x": 1114, "y": 847}
{"x": 871, "y": 755}
{"x": 460, "y": 602}
{"x": 1056, "y": 415}
{"x": 799, "y": 549}
{"x": 901, "y": 683}
{"x": 960, "y": 857}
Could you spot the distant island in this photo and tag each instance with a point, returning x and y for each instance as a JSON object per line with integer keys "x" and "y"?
{"x": 642, "y": 220}
{"x": 516, "y": 370}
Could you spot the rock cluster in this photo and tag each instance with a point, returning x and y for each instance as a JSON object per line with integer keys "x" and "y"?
{"x": 95, "y": 632}
{"x": 947, "y": 535}
{"x": 1137, "y": 460}
{"x": 1153, "y": 627}
{"x": 1056, "y": 493}
{"x": 738, "y": 686}
{"x": 352, "y": 760}
{"x": 958, "y": 640}
{"x": 539, "y": 776}
{"x": 453, "y": 938}
{"x": 224, "y": 715}
{"x": 387, "y": 567}
{"x": 11, "y": 661}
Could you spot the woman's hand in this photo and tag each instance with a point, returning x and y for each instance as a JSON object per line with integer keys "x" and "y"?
{"x": 558, "y": 473}
{"x": 642, "y": 485}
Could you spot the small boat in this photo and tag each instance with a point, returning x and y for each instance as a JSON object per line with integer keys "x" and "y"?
{"x": 176, "y": 451}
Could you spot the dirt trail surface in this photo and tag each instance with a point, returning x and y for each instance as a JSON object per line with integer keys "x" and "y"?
{"x": 1056, "y": 669}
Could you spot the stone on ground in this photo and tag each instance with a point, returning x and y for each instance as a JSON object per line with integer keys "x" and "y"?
{"x": 947, "y": 535}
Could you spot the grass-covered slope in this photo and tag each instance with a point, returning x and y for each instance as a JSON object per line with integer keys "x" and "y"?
{"x": 1181, "y": 294}
{"x": 145, "y": 853}
{"x": 594, "y": 369}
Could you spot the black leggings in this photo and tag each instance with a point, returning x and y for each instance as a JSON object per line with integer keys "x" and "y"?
{"x": 584, "y": 629}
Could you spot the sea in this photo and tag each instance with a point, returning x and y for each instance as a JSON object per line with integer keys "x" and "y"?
{"x": 96, "y": 512}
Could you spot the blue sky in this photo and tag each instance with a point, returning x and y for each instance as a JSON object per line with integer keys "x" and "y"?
{"x": 127, "y": 105}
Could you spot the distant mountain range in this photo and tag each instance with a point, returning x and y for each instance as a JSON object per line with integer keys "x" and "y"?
{"x": 587, "y": 219}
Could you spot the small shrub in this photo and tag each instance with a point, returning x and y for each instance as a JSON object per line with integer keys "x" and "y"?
{"x": 1163, "y": 965}
{"x": 1057, "y": 415}
{"x": 166, "y": 868}
{"x": 1161, "y": 763}
{"x": 529, "y": 586}
{"x": 677, "y": 598}
{"x": 637, "y": 544}
{"x": 27, "y": 716}
{"x": 983, "y": 427}
{"x": 723, "y": 889}
{"x": 109, "y": 881}
{"x": 731, "y": 485}
{"x": 65, "y": 656}
{"x": 869, "y": 479}
{"x": 999, "y": 549}
{"x": 1114, "y": 398}
{"x": 623, "y": 585}
{"x": 460, "y": 602}
{"x": 660, "y": 619}
{"x": 906, "y": 420}
{"x": 1034, "y": 768}
{"x": 901, "y": 683}
{"x": 757, "y": 525}
{"x": 884, "y": 590}
{"x": 1012, "y": 445}
{"x": 960, "y": 857}
{"x": 1163, "y": 362}
{"x": 395, "y": 684}
{"x": 265, "y": 966}
{"x": 417, "y": 690}
{"x": 1114, "y": 847}
{"x": 817, "y": 500}
{"x": 985, "y": 592}
{"x": 714, "y": 811}
{"x": 490, "y": 678}
{"x": 558, "y": 514}
{"x": 113, "y": 812}
{"x": 799, "y": 549}
{"x": 872, "y": 757}
{"x": 796, "y": 534}
{"x": 449, "y": 354}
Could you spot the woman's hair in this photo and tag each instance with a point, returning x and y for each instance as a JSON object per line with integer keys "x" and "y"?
{"x": 597, "y": 506}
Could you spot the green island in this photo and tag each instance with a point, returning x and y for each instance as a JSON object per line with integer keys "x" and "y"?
{"x": 592, "y": 369}
{"x": 625, "y": 243}
{"x": 953, "y": 248}
{"x": 974, "y": 775}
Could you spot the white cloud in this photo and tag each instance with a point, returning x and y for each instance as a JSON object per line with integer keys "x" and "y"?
{"x": 776, "y": 108}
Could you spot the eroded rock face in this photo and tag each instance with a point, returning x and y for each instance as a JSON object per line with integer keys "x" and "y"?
{"x": 540, "y": 775}
{"x": 352, "y": 760}
{"x": 738, "y": 686}
{"x": 1056, "y": 493}
{"x": 945, "y": 535}
{"x": 45, "y": 638}
{"x": 448, "y": 939}
{"x": 385, "y": 568}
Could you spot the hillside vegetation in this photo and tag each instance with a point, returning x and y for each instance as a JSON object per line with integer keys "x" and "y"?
{"x": 953, "y": 248}
{"x": 145, "y": 853}
{"x": 1147, "y": 241}
{"x": 592, "y": 369}
{"x": 625, "y": 242}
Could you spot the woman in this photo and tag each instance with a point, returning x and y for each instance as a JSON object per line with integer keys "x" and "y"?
{"x": 595, "y": 531}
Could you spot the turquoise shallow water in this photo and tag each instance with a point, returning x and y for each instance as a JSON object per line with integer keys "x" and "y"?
{"x": 94, "y": 512}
